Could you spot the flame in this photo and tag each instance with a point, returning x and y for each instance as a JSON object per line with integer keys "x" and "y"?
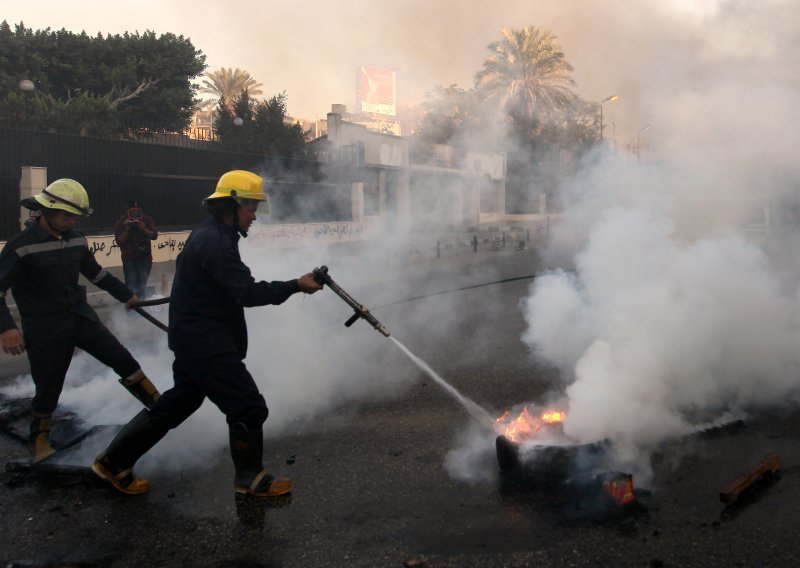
{"x": 554, "y": 417}
{"x": 525, "y": 426}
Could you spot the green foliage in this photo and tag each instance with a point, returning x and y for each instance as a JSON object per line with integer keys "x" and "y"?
{"x": 523, "y": 105}
{"x": 527, "y": 74}
{"x": 98, "y": 85}
{"x": 448, "y": 112}
{"x": 263, "y": 130}
{"x": 226, "y": 83}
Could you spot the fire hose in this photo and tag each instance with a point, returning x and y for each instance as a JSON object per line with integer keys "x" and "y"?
{"x": 320, "y": 275}
{"x": 144, "y": 303}
{"x": 361, "y": 311}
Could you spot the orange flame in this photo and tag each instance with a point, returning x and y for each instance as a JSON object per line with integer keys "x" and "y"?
{"x": 554, "y": 417}
{"x": 525, "y": 426}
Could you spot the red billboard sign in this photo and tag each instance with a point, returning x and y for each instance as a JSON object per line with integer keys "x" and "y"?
{"x": 376, "y": 90}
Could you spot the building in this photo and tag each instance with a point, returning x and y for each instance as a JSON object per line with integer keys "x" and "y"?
{"x": 429, "y": 186}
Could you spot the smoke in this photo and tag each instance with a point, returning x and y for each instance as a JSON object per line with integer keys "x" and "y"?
{"x": 684, "y": 299}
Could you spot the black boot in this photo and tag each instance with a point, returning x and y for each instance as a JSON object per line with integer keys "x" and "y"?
{"x": 247, "y": 448}
{"x": 39, "y": 437}
{"x": 141, "y": 388}
{"x": 115, "y": 465}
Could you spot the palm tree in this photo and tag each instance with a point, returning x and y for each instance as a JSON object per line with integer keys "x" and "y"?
{"x": 226, "y": 83}
{"x": 527, "y": 74}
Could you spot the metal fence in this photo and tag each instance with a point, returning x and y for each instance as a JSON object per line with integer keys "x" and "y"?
{"x": 170, "y": 181}
{"x": 9, "y": 206}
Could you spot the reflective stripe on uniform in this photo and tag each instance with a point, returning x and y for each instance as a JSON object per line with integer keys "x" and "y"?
{"x": 100, "y": 275}
{"x": 50, "y": 246}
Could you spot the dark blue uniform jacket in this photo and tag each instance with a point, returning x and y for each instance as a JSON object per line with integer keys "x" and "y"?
{"x": 42, "y": 273}
{"x": 212, "y": 287}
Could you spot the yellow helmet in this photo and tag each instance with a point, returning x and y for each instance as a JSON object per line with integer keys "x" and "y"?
{"x": 65, "y": 194}
{"x": 239, "y": 184}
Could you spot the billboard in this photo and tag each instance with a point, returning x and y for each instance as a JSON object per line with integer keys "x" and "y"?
{"x": 376, "y": 90}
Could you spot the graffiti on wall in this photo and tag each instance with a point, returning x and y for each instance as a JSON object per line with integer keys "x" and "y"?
{"x": 168, "y": 245}
{"x": 309, "y": 233}
{"x": 165, "y": 248}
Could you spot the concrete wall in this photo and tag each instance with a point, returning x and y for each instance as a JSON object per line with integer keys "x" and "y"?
{"x": 168, "y": 245}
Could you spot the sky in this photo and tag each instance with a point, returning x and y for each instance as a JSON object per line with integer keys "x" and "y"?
{"x": 311, "y": 49}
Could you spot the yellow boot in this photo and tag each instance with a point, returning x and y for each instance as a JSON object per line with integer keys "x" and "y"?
{"x": 247, "y": 448}
{"x": 141, "y": 388}
{"x": 39, "y": 438}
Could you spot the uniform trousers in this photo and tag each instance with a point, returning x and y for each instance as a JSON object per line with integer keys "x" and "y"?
{"x": 223, "y": 379}
{"x": 50, "y": 358}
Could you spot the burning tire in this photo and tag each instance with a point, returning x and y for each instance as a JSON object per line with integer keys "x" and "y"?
{"x": 538, "y": 464}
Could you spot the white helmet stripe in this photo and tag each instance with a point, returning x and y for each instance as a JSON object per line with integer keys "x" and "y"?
{"x": 84, "y": 210}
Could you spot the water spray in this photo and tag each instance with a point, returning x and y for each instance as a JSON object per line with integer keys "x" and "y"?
{"x": 475, "y": 411}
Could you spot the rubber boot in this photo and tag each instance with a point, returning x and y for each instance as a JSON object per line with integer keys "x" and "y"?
{"x": 115, "y": 465}
{"x": 247, "y": 448}
{"x": 39, "y": 438}
{"x": 141, "y": 388}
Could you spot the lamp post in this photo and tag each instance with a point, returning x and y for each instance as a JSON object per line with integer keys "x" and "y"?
{"x": 26, "y": 86}
{"x": 605, "y": 100}
{"x": 642, "y": 129}
{"x": 238, "y": 121}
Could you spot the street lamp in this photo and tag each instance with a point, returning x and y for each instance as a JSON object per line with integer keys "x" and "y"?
{"x": 238, "y": 121}
{"x": 605, "y": 100}
{"x": 642, "y": 129}
{"x": 26, "y": 86}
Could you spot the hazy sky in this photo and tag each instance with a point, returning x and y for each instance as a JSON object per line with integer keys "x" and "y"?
{"x": 311, "y": 48}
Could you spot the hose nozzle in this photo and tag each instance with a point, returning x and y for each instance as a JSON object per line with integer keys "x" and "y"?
{"x": 360, "y": 311}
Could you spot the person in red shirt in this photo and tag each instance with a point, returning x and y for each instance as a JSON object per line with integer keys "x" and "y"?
{"x": 133, "y": 232}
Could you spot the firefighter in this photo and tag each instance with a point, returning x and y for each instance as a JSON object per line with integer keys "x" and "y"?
{"x": 41, "y": 266}
{"x": 208, "y": 335}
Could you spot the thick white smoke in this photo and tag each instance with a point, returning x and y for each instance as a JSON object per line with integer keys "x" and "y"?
{"x": 684, "y": 300}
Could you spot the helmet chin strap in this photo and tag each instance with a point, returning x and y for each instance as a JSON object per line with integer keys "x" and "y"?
{"x": 239, "y": 230}
{"x": 46, "y": 213}
{"x": 222, "y": 213}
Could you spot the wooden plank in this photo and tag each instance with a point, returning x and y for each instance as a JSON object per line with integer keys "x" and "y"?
{"x": 770, "y": 464}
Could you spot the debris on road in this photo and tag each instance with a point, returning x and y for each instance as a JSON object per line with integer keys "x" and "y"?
{"x": 771, "y": 465}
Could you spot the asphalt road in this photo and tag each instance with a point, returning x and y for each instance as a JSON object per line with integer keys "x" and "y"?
{"x": 372, "y": 489}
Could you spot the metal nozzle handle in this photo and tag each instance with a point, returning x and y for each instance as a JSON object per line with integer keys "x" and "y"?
{"x": 322, "y": 277}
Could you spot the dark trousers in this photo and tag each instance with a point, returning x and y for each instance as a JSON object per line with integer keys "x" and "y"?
{"x": 50, "y": 358}
{"x": 226, "y": 382}
{"x": 137, "y": 271}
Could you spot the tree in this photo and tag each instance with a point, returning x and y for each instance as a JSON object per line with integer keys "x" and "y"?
{"x": 262, "y": 130}
{"x": 100, "y": 84}
{"x": 448, "y": 111}
{"x": 226, "y": 83}
{"x": 527, "y": 75}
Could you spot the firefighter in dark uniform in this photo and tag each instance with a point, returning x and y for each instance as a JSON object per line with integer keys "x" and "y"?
{"x": 41, "y": 266}
{"x": 208, "y": 335}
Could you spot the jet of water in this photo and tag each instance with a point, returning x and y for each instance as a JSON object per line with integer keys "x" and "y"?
{"x": 476, "y": 412}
